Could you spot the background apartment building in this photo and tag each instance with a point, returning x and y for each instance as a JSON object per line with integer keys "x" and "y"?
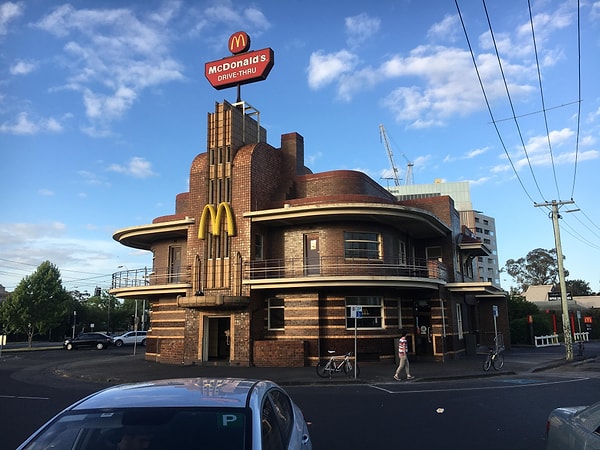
{"x": 484, "y": 227}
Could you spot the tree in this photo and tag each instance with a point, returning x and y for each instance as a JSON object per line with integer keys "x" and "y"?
{"x": 38, "y": 303}
{"x": 539, "y": 267}
{"x": 578, "y": 287}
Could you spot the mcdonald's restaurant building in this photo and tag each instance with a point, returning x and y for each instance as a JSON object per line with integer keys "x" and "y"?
{"x": 266, "y": 263}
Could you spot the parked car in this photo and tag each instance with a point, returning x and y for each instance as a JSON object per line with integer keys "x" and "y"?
{"x": 574, "y": 427}
{"x": 130, "y": 337}
{"x": 98, "y": 340}
{"x": 210, "y": 413}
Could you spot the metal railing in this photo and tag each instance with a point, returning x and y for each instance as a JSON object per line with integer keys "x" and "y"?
{"x": 150, "y": 277}
{"x": 339, "y": 266}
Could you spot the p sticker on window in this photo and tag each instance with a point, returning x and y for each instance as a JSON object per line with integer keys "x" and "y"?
{"x": 230, "y": 420}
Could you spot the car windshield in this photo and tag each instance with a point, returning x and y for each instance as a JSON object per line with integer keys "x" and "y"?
{"x": 147, "y": 428}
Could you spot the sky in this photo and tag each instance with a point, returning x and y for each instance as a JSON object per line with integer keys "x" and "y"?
{"x": 103, "y": 107}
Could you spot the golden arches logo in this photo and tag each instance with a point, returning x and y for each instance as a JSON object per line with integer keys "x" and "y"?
{"x": 215, "y": 215}
{"x": 239, "y": 42}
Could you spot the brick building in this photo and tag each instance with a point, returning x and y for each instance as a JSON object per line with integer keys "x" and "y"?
{"x": 263, "y": 261}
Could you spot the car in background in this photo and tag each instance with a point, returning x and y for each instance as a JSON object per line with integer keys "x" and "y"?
{"x": 208, "y": 413}
{"x": 574, "y": 427}
{"x": 130, "y": 338}
{"x": 98, "y": 340}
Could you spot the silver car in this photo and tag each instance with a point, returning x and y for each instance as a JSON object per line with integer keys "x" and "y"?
{"x": 575, "y": 427}
{"x": 206, "y": 413}
{"x": 130, "y": 338}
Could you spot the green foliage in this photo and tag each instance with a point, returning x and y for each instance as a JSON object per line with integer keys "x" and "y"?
{"x": 519, "y": 307}
{"x": 539, "y": 267}
{"x": 578, "y": 287}
{"x": 38, "y": 303}
{"x": 520, "y": 331}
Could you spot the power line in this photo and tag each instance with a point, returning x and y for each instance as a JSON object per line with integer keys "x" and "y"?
{"x": 578, "y": 95}
{"x": 487, "y": 102}
{"x": 537, "y": 63}
{"x": 514, "y": 115}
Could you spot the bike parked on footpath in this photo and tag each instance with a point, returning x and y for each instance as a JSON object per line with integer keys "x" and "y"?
{"x": 336, "y": 364}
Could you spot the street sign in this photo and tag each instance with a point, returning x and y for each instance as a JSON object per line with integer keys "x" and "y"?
{"x": 355, "y": 312}
{"x": 495, "y": 310}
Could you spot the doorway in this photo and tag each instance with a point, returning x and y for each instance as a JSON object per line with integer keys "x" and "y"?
{"x": 217, "y": 332}
{"x": 312, "y": 258}
{"x": 423, "y": 330}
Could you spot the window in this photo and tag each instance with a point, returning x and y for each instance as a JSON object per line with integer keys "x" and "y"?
{"x": 258, "y": 246}
{"x": 275, "y": 316}
{"x": 459, "y": 321}
{"x": 372, "y": 312}
{"x": 434, "y": 253}
{"x": 401, "y": 252}
{"x": 174, "y": 264}
{"x": 275, "y": 430}
{"x": 361, "y": 245}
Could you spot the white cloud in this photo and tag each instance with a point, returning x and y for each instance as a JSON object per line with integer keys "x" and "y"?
{"x": 24, "y": 126}
{"x": 361, "y": 27}
{"x": 8, "y": 12}
{"x": 137, "y": 167}
{"x": 448, "y": 29}
{"x": 46, "y": 192}
{"x": 324, "y": 69}
{"x": 22, "y": 68}
{"x": 114, "y": 55}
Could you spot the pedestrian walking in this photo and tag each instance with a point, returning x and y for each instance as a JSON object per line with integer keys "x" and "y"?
{"x": 403, "y": 356}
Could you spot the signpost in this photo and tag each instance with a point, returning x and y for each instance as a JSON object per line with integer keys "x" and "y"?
{"x": 495, "y": 312}
{"x": 355, "y": 313}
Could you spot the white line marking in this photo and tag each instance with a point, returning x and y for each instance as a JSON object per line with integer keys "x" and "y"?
{"x": 482, "y": 388}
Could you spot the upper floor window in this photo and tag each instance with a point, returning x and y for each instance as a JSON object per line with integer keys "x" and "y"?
{"x": 258, "y": 246}
{"x": 434, "y": 253}
{"x": 402, "y": 252}
{"x": 372, "y": 312}
{"x": 362, "y": 245}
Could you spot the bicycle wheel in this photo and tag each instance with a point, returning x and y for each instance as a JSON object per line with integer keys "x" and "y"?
{"x": 349, "y": 369}
{"x": 324, "y": 369}
{"x": 487, "y": 363}
{"x": 498, "y": 361}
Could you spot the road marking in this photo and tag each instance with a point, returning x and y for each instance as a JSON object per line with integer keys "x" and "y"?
{"x": 480, "y": 388}
{"x": 19, "y": 397}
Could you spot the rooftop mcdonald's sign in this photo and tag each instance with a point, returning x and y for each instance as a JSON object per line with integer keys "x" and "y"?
{"x": 241, "y": 68}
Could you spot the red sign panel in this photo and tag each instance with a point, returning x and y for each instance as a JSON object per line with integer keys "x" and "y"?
{"x": 240, "y": 69}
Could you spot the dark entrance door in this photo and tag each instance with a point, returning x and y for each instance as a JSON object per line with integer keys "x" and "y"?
{"x": 312, "y": 257}
{"x": 219, "y": 329}
{"x": 423, "y": 331}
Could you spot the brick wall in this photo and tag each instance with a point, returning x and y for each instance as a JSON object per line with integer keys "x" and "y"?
{"x": 279, "y": 353}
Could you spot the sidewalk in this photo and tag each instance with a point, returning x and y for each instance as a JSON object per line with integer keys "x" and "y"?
{"x": 116, "y": 369}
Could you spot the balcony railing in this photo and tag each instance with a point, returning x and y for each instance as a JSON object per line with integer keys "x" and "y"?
{"x": 339, "y": 266}
{"x": 150, "y": 277}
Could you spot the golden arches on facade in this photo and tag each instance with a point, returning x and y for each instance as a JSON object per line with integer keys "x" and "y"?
{"x": 215, "y": 215}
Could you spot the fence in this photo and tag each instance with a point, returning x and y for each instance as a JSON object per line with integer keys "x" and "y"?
{"x": 547, "y": 341}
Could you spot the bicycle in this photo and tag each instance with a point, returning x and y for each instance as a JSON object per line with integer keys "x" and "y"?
{"x": 327, "y": 367}
{"x": 494, "y": 358}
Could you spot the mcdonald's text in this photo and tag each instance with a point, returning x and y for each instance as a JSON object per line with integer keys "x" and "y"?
{"x": 239, "y": 69}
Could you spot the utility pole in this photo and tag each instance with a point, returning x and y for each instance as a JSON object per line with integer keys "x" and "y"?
{"x": 561, "y": 276}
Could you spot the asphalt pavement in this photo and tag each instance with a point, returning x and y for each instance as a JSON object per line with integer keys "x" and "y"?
{"x": 125, "y": 367}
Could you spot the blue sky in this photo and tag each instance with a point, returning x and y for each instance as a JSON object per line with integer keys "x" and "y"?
{"x": 103, "y": 107}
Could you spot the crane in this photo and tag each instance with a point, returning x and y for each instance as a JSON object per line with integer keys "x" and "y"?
{"x": 409, "y": 165}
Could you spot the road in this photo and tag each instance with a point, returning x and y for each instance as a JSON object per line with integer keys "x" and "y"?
{"x": 492, "y": 413}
